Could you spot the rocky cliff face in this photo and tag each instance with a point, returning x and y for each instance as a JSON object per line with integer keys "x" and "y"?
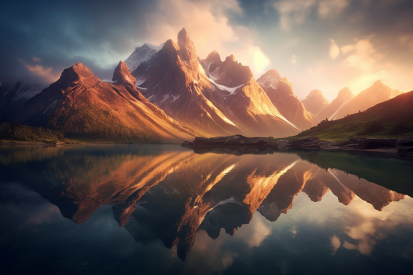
{"x": 229, "y": 73}
{"x": 315, "y": 102}
{"x": 281, "y": 94}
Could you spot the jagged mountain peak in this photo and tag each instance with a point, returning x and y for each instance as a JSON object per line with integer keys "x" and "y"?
{"x": 213, "y": 57}
{"x": 230, "y": 58}
{"x": 123, "y": 75}
{"x": 170, "y": 44}
{"x": 186, "y": 45}
{"x": 77, "y": 73}
{"x": 270, "y": 79}
{"x": 183, "y": 36}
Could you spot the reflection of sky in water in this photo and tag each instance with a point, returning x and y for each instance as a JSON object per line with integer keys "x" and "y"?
{"x": 308, "y": 237}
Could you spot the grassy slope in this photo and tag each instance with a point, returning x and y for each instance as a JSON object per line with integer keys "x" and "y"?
{"x": 392, "y": 118}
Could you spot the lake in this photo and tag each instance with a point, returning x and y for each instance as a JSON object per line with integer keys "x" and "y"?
{"x": 164, "y": 209}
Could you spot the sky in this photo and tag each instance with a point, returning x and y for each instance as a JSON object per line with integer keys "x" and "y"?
{"x": 316, "y": 44}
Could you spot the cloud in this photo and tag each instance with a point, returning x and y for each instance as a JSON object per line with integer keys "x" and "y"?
{"x": 293, "y": 11}
{"x": 407, "y": 40}
{"x": 38, "y": 70}
{"x": 335, "y": 243}
{"x": 334, "y": 50}
{"x": 329, "y": 8}
{"x": 261, "y": 61}
{"x": 362, "y": 55}
{"x": 293, "y": 59}
{"x": 207, "y": 22}
{"x": 293, "y": 231}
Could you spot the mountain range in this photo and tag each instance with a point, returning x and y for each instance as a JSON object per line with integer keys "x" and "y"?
{"x": 346, "y": 103}
{"x": 166, "y": 93}
{"x": 393, "y": 117}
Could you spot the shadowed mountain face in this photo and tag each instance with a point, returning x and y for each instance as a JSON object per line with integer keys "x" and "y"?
{"x": 173, "y": 194}
{"x": 79, "y": 104}
{"x": 373, "y": 95}
{"x": 209, "y": 96}
{"x": 281, "y": 94}
{"x": 331, "y": 111}
{"x": 13, "y": 97}
{"x": 315, "y": 102}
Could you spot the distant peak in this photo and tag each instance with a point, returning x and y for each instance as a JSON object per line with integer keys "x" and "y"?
{"x": 273, "y": 73}
{"x": 345, "y": 93}
{"x": 213, "y": 57}
{"x": 182, "y": 31}
{"x": 123, "y": 75}
{"x": 183, "y": 37}
{"x": 316, "y": 95}
{"x": 186, "y": 46}
{"x": 231, "y": 58}
{"x": 316, "y": 92}
{"x": 169, "y": 44}
{"x": 378, "y": 83}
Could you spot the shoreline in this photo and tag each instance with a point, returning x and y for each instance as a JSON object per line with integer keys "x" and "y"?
{"x": 74, "y": 143}
{"x": 402, "y": 147}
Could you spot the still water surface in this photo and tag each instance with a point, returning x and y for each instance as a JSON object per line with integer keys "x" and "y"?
{"x": 163, "y": 209}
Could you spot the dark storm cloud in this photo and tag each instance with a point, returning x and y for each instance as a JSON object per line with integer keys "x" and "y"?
{"x": 58, "y": 32}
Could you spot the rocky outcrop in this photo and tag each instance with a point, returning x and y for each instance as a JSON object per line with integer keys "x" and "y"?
{"x": 229, "y": 73}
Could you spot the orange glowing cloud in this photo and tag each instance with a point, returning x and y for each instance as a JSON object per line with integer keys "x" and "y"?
{"x": 38, "y": 70}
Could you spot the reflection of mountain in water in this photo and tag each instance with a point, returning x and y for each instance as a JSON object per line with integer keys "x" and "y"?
{"x": 170, "y": 195}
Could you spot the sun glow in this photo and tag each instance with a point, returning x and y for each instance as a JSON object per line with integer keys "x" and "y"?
{"x": 260, "y": 59}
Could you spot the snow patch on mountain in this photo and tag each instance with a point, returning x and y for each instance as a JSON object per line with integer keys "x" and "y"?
{"x": 25, "y": 92}
{"x": 140, "y": 81}
{"x": 226, "y": 119}
{"x": 225, "y": 88}
{"x": 50, "y": 106}
{"x": 142, "y": 54}
{"x": 268, "y": 81}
